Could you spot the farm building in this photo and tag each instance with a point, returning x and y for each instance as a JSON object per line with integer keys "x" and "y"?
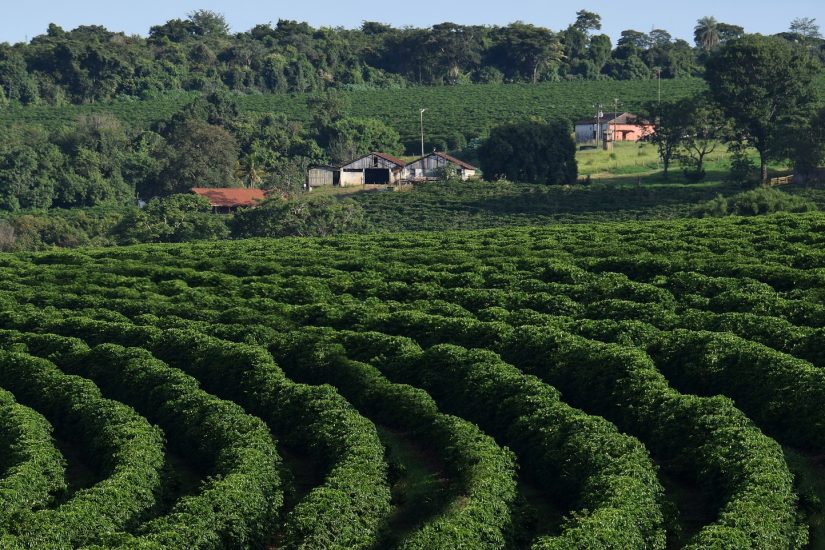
{"x": 371, "y": 168}
{"x": 227, "y": 200}
{"x": 320, "y": 175}
{"x": 624, "y": 127}
{"x": 431, "y": 167}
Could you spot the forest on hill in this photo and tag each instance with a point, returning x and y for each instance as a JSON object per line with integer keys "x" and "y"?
{"x": 91, "y": 63}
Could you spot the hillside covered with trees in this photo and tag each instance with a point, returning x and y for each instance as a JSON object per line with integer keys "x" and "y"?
{"x": 91, "y": 63}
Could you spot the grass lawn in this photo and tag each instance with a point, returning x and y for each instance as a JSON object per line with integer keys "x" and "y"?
{"x": 627, "y": 161}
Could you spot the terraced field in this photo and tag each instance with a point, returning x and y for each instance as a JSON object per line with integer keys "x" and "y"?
{"x": 621, "y": 385}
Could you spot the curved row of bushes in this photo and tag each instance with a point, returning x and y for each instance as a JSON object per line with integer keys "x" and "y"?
{"x": 239, "y": 502}
{"x": 347, "y": 510}
{"x": 606, "y": 477}
{"x": 478, "y": 515}
{"x": 127, "y": 451}
{"x": 711, "y": 439}
{"x": 783, "y": 394}
{"x": 31, "y": 467}
{"x": 782, "y": 335}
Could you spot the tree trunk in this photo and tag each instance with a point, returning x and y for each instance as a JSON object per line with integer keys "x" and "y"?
{"x": 763, "y": 169}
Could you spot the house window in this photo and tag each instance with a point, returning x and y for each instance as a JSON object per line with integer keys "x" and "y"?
{"x": 375, "y": 162}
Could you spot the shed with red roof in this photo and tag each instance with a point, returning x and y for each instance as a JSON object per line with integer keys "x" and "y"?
{"x": 225, "y": 200}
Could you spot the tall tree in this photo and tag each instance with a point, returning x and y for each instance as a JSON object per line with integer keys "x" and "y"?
{"x": 635, "y": 39}
{"x": 454, "y": 49}
{"x": 806, "y": 145}
{"x": 762, "y": 83}
{"x": 530, "y": 152}
{"x": 728, "y": 32}
{"x": 200, "y": 155}
{"x": 806, "y": 28}
{"x": 587, "y": 21}
{"x": 706, "y": 33}
{"x": 361, "y": 136}
{"x": 527, "y": 50}
{"x": 705, "y": 127}
{"x": 208, "y": 23}
{"x": 670, "y": 120}
{"x": 599, "y": 50}
{"x": 29, "y": 166}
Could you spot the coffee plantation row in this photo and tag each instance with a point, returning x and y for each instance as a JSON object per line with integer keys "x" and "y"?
{"x": 616, "y": 385}
{"x": 467, "y": 110}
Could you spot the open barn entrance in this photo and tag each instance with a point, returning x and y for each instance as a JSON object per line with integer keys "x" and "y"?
{"x": 376, "y": 175}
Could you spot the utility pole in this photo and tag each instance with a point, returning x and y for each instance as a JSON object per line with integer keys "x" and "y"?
{"x": 421, "y": 114}
{"x": 615, "y": 116}
{"x": 599, "y": 115}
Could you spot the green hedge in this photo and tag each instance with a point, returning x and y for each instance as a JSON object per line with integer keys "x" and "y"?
{"x": 128, "y": 452}
{"x": 710, "y": 437}
{"x": 239, "y": 502}
{"x": 346, "y": 511}
{"x": 31, "y": 467}
{"x": 479, "y": 514}
{"x": 782, "y": 394}
{"x": 607, "y": 477}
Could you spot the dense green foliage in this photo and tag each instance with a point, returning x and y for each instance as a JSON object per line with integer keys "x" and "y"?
{"x": 690, "y": 350}
{"x": 530, "y": 152}
{"x": 243, "y": 495}
{"x": 452, "y": 110}
{"x": 442, "y": 206}
{"x": 763, "y": 84}
{"x": 90, "y": 63}
{"x": 753, "y": 203}
{"x": 433, "y": 207}
{"x": 32, "y": 467}
{"x": 124, "y": 448}
{"x": 484, "y": 472}
{"x": 319, "y": 217}
{"x": 105, "y": 154}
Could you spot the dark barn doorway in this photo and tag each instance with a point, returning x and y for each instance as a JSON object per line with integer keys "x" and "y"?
{"x": 376, "y": 175}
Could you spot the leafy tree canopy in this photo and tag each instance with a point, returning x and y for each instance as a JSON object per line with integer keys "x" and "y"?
{"x": 531, "y": 152}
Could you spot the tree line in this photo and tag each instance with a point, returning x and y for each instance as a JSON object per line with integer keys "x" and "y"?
{"x": 91, "y": 63}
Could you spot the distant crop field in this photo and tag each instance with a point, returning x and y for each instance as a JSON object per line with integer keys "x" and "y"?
{"x": 452, "y": 110}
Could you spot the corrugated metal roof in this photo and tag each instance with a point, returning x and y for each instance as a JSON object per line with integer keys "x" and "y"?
{"x": 448, "y": 158}
{"x": 454, "y": 160}
{"x": 231, "y": 197}
{"x": 389, "y": 158}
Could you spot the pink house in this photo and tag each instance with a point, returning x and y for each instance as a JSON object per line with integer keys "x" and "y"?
{"x": 624, "y": 127}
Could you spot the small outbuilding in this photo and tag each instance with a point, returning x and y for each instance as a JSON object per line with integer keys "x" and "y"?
{"x": 319, "y": 175}
{"x": 622, "y": 127}
{"x": 225, "y": 200}
{"x": 432, "y": 166}
{"x": 372, "y": 168}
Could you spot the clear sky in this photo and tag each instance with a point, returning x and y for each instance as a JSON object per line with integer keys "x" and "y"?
{"x": 22, "y": 19}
